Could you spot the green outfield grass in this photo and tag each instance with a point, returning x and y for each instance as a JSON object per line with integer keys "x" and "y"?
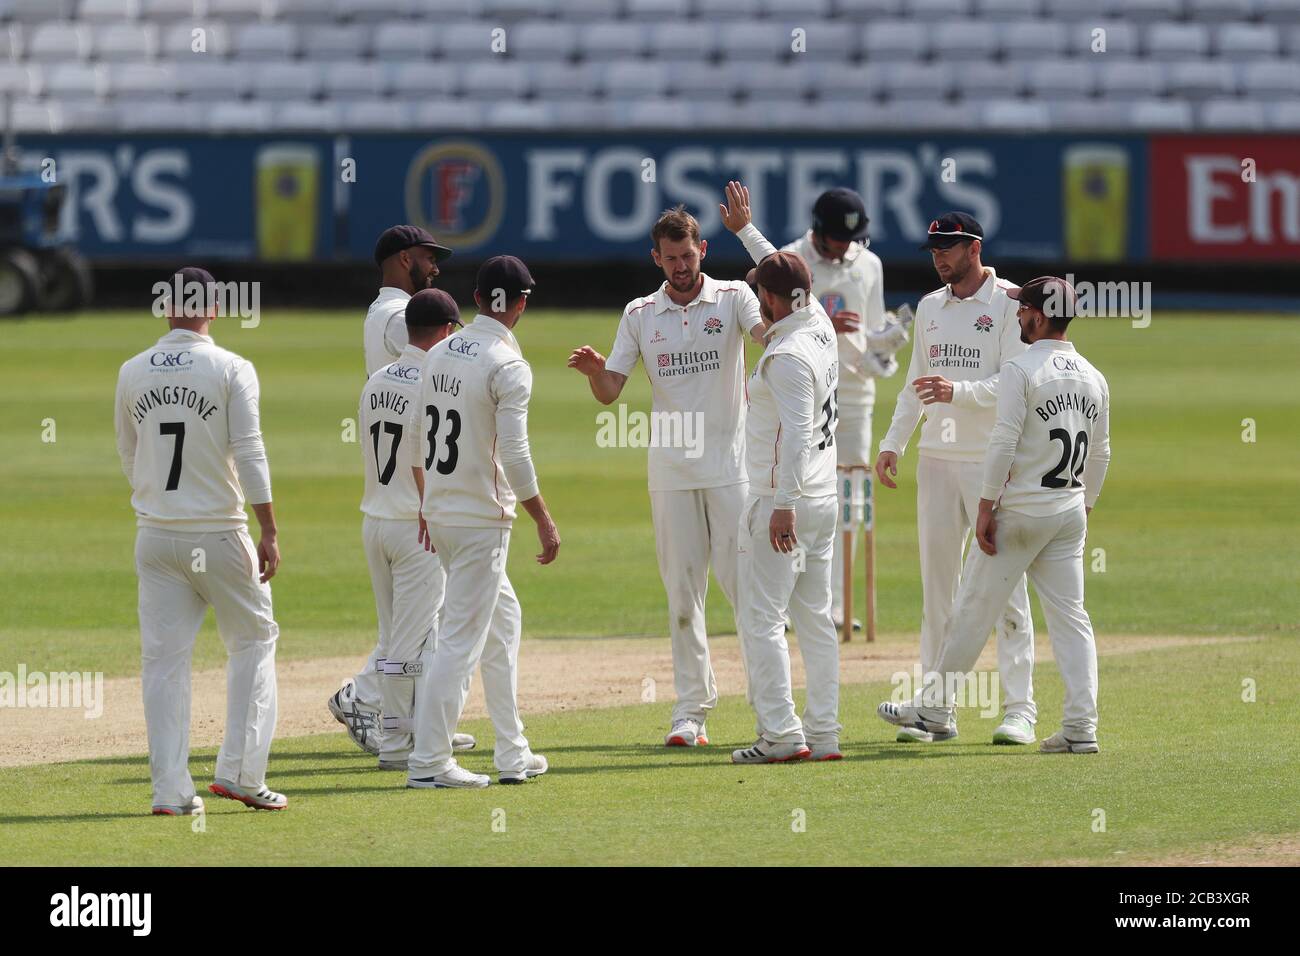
{"x": 1199, "y": 528}
{"x": 1185, "y": 762}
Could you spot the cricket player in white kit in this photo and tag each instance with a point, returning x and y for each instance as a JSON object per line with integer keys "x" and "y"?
{"x": 407, "y": 578}
{"x": 848, "y": 281}
{"x": 690, "y": 336}
{"x": 963, "y": 334}
{"x": 408, "y": 259}
{"x": 474, "y": 395}
{"x": 189, "y": 436}
{"x": 788, "y": 525}
{"x": 1046, "y": 462}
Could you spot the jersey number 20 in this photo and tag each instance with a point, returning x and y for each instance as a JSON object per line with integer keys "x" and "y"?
{"x": 1071, "y": 457}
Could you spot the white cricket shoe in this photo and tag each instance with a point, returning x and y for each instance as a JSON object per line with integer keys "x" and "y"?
{"x": 1058, "y": 743}
{"x": 193, "y": 808}
{"x": 463, "y": 742}
{"x": 361, "y": 722}
{"x": 912, "y": 727}
{"x": 537, "y": 766}
{"x": 1014, "y": 729}
{"x": 259, "y": 799}
{"x": 454, "y": 777}
{"x": 824, "y": 747}
{"x": 687, "y": 732}
{"x": 764, "y": 751}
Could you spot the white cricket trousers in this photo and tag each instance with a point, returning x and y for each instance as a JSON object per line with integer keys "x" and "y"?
{"x": 480, "y": 622}
{"x": 773, "y": 584}
{"x": 947, "y": 504}
{"x": 694, "y": 529}
{"x": 1050, "y": 549}
{"x": 181, "y": 574}
{"x": 409, "y": 583}
{"x": 852, "y": 450}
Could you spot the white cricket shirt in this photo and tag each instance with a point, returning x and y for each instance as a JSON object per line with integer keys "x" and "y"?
{"x": 390, "y": 417}
{"x": 855, "y": 283}
{"x": 791, "y": 415}
{"x": 694, "y": 356}
{"x": 384, "y": 333}
{"x": 966, "y": 341}
{"x": 1051, "y": 442}
{"x": 189, "y": 435}
{"x": 474, "y": 393}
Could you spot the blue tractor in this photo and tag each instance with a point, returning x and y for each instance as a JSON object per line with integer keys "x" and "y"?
{"x": 39, "y": 270}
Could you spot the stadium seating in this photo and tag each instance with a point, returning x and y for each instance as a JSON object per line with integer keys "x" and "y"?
{"x": 323, "y": 65}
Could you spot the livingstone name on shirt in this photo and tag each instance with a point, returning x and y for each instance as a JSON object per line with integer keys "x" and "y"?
{"x": 172, "y": 395}
{"x": 637, "y": 429}
{"x": 688, "y": 363}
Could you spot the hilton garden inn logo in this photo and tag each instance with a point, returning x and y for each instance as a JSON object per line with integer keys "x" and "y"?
{"x": 81, "y": 689}
{"x": 638, "y": 429}
{"x": 75, "y": 908}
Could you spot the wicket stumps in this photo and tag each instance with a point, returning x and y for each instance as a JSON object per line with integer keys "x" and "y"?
{"x": 857, "y": 506}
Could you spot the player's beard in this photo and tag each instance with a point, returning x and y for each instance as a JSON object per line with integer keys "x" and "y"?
{"x": 420, "y": 281}
{"x": 958, "y": 273}
{"x": 684, "y": 287}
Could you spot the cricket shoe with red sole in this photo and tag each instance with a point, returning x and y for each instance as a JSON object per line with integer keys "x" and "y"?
{"x": 824, "y": 747}
{"x": 686, "y": 733}
{"x": 260, "y": 799}
{"x": 193, "y": 808}
{"x": 764, "y": 751}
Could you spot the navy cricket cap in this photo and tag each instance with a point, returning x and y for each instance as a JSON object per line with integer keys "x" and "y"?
{"x": 506, "y": 273}
{"x": 1050, "y": 295}
{"x": 431, "y": 307}
{"x": 952, "y": 228}
{"x": 840, "y": 214}
{"x": 397, "y": 238}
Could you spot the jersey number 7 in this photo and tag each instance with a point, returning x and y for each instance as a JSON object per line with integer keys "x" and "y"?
{"x": 178, "y": 430}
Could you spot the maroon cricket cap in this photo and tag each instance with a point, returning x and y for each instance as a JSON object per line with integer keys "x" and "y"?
{"x": 431, "y": 307}
{"x": 782, "y": 273}
{"x": 1052, "y": 296}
